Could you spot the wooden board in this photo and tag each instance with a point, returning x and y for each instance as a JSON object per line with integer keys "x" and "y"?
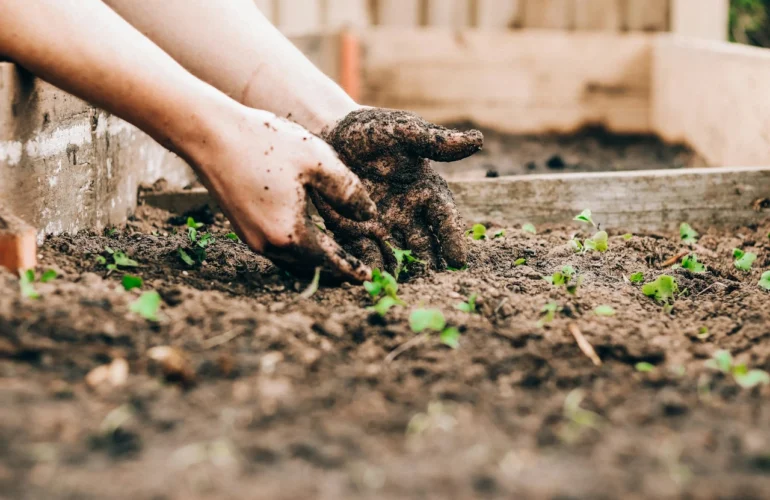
{"x": 632, "y": 201}
{"x": 403, "y": 13}
{"x": 699, "y": 19}
{"x": 647, "y": 15}
{"x": 551, "y": 14}
{"x": 515, "y": 82}
{"x": 713, "y": 96}
{"x": 448, "y": 13}
{"x": 600, "y": 15}
{"x": 498, "y": 14}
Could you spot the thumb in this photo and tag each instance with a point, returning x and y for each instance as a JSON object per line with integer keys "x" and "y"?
{"x": 438, "y": 143}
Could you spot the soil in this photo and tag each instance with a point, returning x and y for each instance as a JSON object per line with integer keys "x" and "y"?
{"x": 279, "y": 397}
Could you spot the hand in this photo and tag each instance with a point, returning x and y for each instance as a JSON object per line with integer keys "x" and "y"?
{"x": 390, "y": 151}
{"x": 258, "y": 167}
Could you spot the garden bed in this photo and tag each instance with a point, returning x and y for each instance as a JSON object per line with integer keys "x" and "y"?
{"x": 290, "y": 397}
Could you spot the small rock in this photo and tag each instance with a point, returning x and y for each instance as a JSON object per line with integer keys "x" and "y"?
{"x": 115, "y": 374}
{"x": 173, "y": 364}
{"x": 269, "y": 361}
{"x": 556, "y": 162}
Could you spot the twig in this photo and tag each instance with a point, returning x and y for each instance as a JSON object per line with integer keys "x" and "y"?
{"x": 501, "y": 304}
{"x": 709, "y": 288}
{"x": 673, "y": 260}
{"x": 221, "y": 339}
{"x": 583, "y": 344}
{"x": 398, "y": 351}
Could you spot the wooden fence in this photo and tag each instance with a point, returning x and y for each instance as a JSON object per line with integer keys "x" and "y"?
{"x": 700, "y": 18}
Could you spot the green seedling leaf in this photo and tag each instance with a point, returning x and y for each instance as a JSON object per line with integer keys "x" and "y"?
{"x": 384, "y": 305}
{"x": 745, "y": 261}
{"x": 690, "y": 262}
{"x": 561, "y": 278}
{"x": 313, "y": 287}
{"x": 499, "y": 234}
{"x": 382, "y": 283}
{"x": 549, "y": 313}
{"x": 477, "y": 232}
{"x": 206, "y": 240}
{"x": 688, "y": 234}
{"x": 628, "y": 236}
{"x": 604, "y": 311}
{"x": 636, "y": 278}
{"x": 27, "y": 284}
{"x": 457, "y": 270}
{"x": 49, "y": 275}
{"x": 764, "y": 282}
{"x": 721, "y": 360}
{"x": 101, "y": 260}
{"x": 450, "y": 337}
{"x": 112, "y": 231}
{"x": 599, "y": 242}
{"x": 195, "y": 225}
{"x": 576, "y": 246}
{"x": 109, "y": 250}
{"x": 468, "y": 307}
{"x": 529, "y": 228}
{"x": 232, "y": 236}
{"x": 192, "y": 233}
{"x": 752, "y": 378}
{"x": 663, "y": 289}
{"x": 130, "y": 282}
{"x": 427, "y": 319}
{"x": 644, "y": 367}
{"x": 738, "y": 253}
{"x": 519, "y": 262}
{"x": 585, "y": 216}
{"x": 403, "y": 259}
{"x": 112, "y": 267}
{"x": 185, "y": 257}
{"x": 703, "y": 333}
{"x": 147, "y": 305}
{"x": 122, "y": 260}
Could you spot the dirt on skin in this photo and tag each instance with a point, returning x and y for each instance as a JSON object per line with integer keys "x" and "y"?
{"x": 292, "y": 398}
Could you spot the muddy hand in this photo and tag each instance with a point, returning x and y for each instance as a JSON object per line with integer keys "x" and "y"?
{"x": 391, "y": 151}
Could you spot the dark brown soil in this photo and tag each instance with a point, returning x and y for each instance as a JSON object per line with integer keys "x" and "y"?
{"x": 292, "y": 398}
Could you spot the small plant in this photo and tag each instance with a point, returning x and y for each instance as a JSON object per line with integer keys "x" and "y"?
{"x": 500, "y": 233}
{"x": 232, "y": 236}
{"x": 433, "y": 320}
{"x": 764, "y": 282}
{"x": 599, "y": 242}
{"x": 744, "y": 260}
{"x": 404, "y": 259}
{"x": 468, "y": 307}
{"x": 604, "y": 311}
{"x": 384, "y": 305}
{"x": 477, "y": 232}
{"x": 199, "y": 242}
{"x": 48, "y": 275}
{"x": 585, "y": 216}
{"x": 566, "y": 277}
{"x": 628, "y": 236}
{"x": 27, "y": 284}
{"x": 664, "y": 289}
{"x": 119, "y": 259}
{"x": 529, "y": 228}
{"x": 703, "y": 333}
{"x": 456, "y": 269}
{"x": 576, "y": 245}
{"x": 383, "y": 283}
{"x": 636, "y": 277}
{"x": 549, "y": 313}
{"x": 130, "y": 282}
{"x": 312, "y": 288}
{"x": 688, "y": 234}
{"x": 644, "y": 367}
{"x": 147, "y": 305}
{"x": 723, "y": 362}
{"x": 690, "y": 262}
{"x": 519, "y": 262}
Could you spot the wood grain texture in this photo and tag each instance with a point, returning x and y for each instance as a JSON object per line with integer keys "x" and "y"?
{"x": 551, "y": 14}
{"x": 699, "y": 19}
{"x": 713, "y": 96}
{"x": 515, "y": 82}
{"x": 299, "y": 17}
{"x": 448, "y": 13}
{"x": 647, "y": 15}
{"x": 630, "y": 201}
{"x": 402, "y": 13}
{"x": 599, "y": 15}
{"x": 498, "y": 14}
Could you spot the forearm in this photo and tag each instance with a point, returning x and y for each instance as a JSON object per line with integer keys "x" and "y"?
{"x": 232, "y": 46}
{"x": 85, "y": 48}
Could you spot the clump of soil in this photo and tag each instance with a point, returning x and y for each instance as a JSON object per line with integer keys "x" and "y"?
{"x": 592, "y": 149}
{"x": 291, "y": 398}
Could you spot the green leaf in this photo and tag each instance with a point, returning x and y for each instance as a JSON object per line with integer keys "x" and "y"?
{"x": 662, "y": 289}
{"x": 112, "y": 267}
{"x": 644, "y": 367}
{"x": 451, "y": 337}
{"x": 499, "y": 234}
{"x": 746, "y": 261}
{"x": 636, "y": 277}
{"x": 457, "y": 270}
{"x": 101, "y": 260}
{"x": 604, "y": 311}
{"x": 130, "y": 282}
{"x": 403, "y": 259}
{"x": 195, "y": 225}
{"x": 147, "y": 305}
{"x": 585, "y": 216}
{"x": 549, "y": 313}
{"x": 109, "y": 250}
{"x": 26, "y": 284}
{"x": 427, "y": 319}
{"x": 628, "y": 236}
{"x": 232, "y": 236}
{"x": 313, "y": 287}
{"x": 752, "y": 379}
{"x": 599, "y": 242}
{"x": 122, "y": 260}
{"x": 690, "y": 262}
{"x": 721, "y": 360}
{"x": 468, "y": 307}
{"x": 185, "y": 257}
{"x": 477, "y": 232}
{"x": 576, "y": 245}
{"x": 382, "y": 282}
{"x": 764, "y": 282}
{"x": 49, "y": 275}
{"x": 192, "y": 233}
{"x": 205, "y": 240}
{"x": 374, "y": 289}
{"x": 529, "y": 228}
{"x": 738, "y": 253}
{"x": 384, "y": 305}
{"x": 688, "y": 234}
{"x": 703, "y": 333}
{"x": 520, "y": 262}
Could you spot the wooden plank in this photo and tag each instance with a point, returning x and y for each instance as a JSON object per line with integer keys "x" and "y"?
{"x": 712, "y": 95}
{"x": 448, "y": 13}
{"x": 699, "y": 19}
{"x": 647, "y": 15}
{"x": 601, "y": 15}
{"x": 402, "y": 13}
{"x": 299, "y": 17}
{"x": 267, "y": 7}
{"x": 498, "y": 14}
{"x": 18, "y": 243}
{"x": 527, "y": 81}
{"x": 552, "y": 14}
{"x": 650, "y": 200}
{"x": 346, "y": 14}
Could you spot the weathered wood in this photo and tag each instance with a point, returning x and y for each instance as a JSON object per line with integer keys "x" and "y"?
{"x": 647, "y": 15}
{"x": 18, "y": 243}
{"x": 498, "y": 14}
{"x": 346, "y": 14}
{"x": 552, "y": 14}
{"x": 448, "y": 13}
{"x": 634, "y": 201}
{"x": 699, "y": 19}
{"x": 402, "y": 13}
{"x": 599, "y": 15}
{"x": 515, "y": 82}
{"x": 299, "y": 17}
{"x": 713, "y": 96}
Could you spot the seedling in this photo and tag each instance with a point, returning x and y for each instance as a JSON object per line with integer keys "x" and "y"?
{"x": 566, "y": 277}
{"x": 119, "y": 259}
{"x": 456, "y": 269}
{"x": 384, "y": 305}
{"x": 636, "y": 278}
{"x": 27, "y": 284}
{"x": 764, "y": 282}
{"x": 404, "y": 259}
{"x": 688, "y": 234}
{"x": 468, "y": 307}
{"x": 549, "y": 313}
{"x": 604, "y": 311}
{"x": 585, "y": 216}
{"x": 383, "y": 283}
{"x": 576, "y": 245}
{"x": 744, "y": 260}
{"x": 529, "y": 228}
{"x": 313, "y": 286}
{"x": 599, "y": 242}
{"x": 147, "y": 305}
{"x": 433, "y": 320}
{"x": 199, "y": 242}
{"x": 477, "y": 232}
{"x": 130, "y": 282}
{"x": 723, "y": 362}
{"x": 628, "y": 236}
{"x": 232, "y": 236}
{"x": 690, "y": 262}
{"x": 644, "y": 367}
{"x": 500, "y": 233}
{"x": 48, "y": 275}
{"x": 703, "y": 333}
{"x": 519, "y": 262}
{"x": 663, "y": 289}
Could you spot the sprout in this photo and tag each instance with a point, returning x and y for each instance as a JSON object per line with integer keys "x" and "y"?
{"x": 529, "y": 228}
{"x": 636, "y": 277}
{"x": 147, "y": 305}
{"x": 477, "y": 232}
{"x": 744, "y": 260}
{"x": 585, "y": 216}
{"x": 662, "y": 289}
{"x": 604, "y": 311}
{"x": 688, "y": 234}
